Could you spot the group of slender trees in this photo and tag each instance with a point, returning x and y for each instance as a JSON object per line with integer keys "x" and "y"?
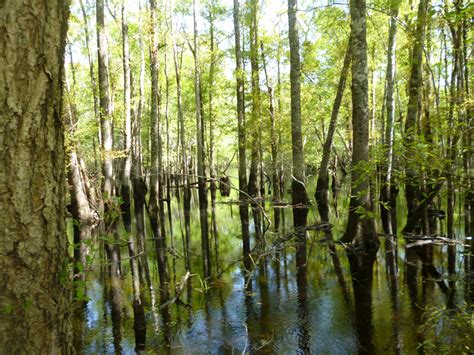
{"x": 131, "y": 141}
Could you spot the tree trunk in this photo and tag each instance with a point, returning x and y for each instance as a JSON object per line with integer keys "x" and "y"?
{"x": 182, "y": 145}
{"x": 154, "y": 212}
{"x": 138, "y": 181}
{"x": 360, "y": 228}
{"x": 80, "y": 208}
{"x": 414, "y": 95}
{"x": 201, "y": 168}
{"x": 212, "y": 167}
{"x": 253, "y": 188}
{"x": 91, "y": 72}
{"x": 388, "y": 190}
{"x": 126, "y": 175}
{"x": 322, "y": 186}
{"x": 34, "y": 294}
{"x": 273, "y": 136}
{"x": 299, "y": 195}
{"x": 106, "y": 128}
{"x": 239, "y": 74}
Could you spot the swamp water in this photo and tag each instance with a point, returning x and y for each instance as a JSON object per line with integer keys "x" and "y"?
{"x": 289, "y": 303}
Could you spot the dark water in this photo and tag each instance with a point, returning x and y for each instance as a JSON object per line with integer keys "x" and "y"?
{"x": 286, "y": 304}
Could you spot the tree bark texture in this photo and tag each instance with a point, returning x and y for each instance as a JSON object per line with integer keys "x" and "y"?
{"x": 360, "y": 226}
{"x": 34, "y": 297}
{"x": 298, "y": 184}
{"x": 414, "y": 96}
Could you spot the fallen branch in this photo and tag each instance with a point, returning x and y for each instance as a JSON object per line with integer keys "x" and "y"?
{"x": 435, "y": 239}
{"x": 179, "y": 290}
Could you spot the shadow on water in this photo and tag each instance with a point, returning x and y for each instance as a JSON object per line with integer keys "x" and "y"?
{"x": 284, "y": 289}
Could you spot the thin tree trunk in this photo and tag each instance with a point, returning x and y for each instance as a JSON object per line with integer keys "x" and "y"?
{"x": 126, "y": 180}
{"x": 201, "y": 168}
{"x": 138, "y": 181}
{"x": 80, "y": 208}
{"x": 154, "y": 212}
{"x": 253, "y": 189}
{"x": 212, "y": 167}
{"x": 273, "y": 135}
{"x": 322, "y": 186}
{"x": 91, "y": 72}
{"x": 106, "y": 127}
{"x": 388, "y": 191}
{"x": 239, "y": 74}
{"x": 182, "y": 144}
{"x": 299, "y": 195}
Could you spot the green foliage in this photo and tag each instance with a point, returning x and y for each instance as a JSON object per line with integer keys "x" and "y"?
{"x": 448, "y": 331}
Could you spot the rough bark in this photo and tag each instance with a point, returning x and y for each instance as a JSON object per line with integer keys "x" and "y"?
{"x": 360, "y": 230}
{"x": 299, "y": 195}
{"x": 34, "y": 294}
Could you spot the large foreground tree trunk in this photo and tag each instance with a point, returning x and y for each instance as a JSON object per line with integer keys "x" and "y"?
{"x": 34, "y": 303}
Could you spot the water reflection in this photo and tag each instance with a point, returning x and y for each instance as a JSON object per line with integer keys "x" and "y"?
{"x": 362, "y": 274}
{"x": 261, "y": 299}
{"x": 304, "y": 326}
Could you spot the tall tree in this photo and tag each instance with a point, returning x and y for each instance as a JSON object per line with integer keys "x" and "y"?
{"x": 34, "y": 300}
{"x": 322, "y": 185}
{"x": 160, "y": 241}
{"x": 273, "y": 133}
{"x": 255, "y": 114}
{"x": 105, "y": 104}
{"x": 239, "y": 74}
{"x": 388, "y": 190}
{"x": 360, "y": 228}
{"x": 414, "y": 96}
{"x": 298, "y": 187}
{"x": 91, "y": 69}
{"x": 126, "y": 174}
{"x": 201, "y": 167}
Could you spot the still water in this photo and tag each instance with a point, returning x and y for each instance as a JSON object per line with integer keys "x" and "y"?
{"x": 282, "y": 305}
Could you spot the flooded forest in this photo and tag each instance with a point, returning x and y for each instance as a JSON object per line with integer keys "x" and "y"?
{"x": 248, "y": 177}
